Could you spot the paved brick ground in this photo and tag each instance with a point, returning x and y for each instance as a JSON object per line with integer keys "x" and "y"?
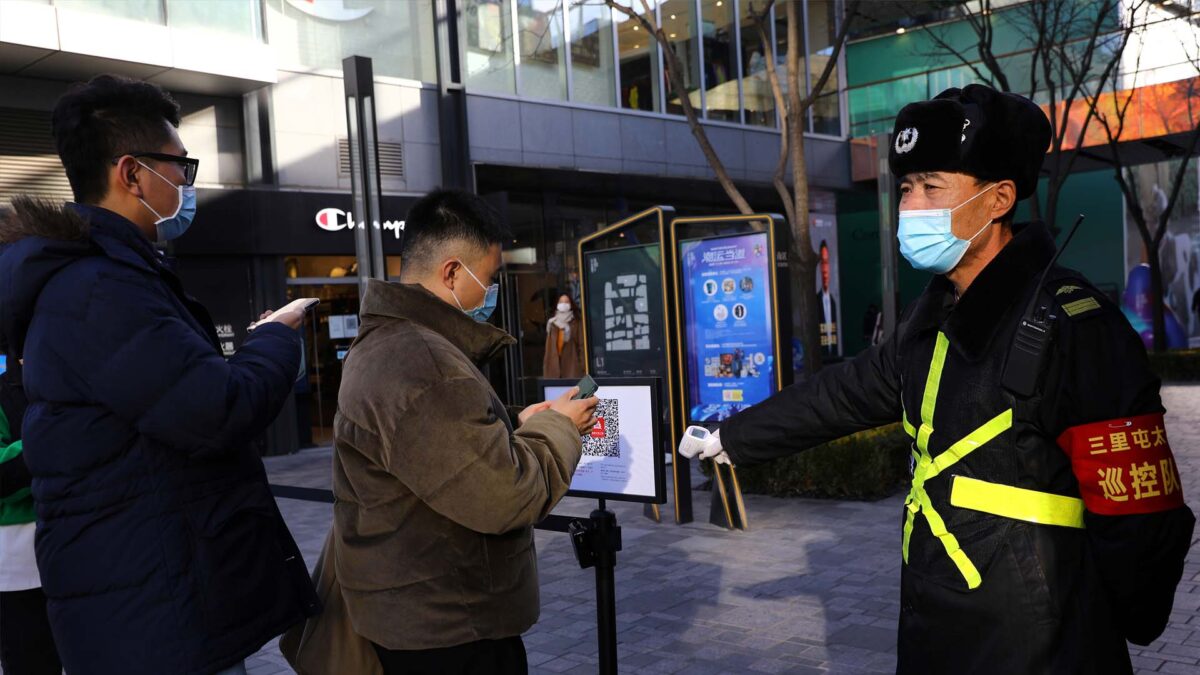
{"x": 813, "y": 587}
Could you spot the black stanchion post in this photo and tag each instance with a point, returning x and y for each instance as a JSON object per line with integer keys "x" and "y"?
{"x": 596, "y": 541}
{"x": 608, "y": 539}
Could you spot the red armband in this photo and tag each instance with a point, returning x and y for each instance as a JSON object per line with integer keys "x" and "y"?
{"x": 1124, "y": 466}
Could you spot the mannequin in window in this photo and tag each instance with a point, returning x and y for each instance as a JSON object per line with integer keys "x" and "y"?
{"x": 564, "y": 349}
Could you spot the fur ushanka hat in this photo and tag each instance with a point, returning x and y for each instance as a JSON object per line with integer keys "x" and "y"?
{"x": 975, "y": 130}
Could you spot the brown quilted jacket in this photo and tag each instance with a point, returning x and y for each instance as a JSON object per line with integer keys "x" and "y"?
{"x": 436, "y": 491}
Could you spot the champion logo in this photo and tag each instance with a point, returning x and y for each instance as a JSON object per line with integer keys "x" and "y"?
{"x": 966, "y": 123}
{"x": 906, "y": 140}
{"x": 336, "y": 220}
{"x": 330, "y": 10}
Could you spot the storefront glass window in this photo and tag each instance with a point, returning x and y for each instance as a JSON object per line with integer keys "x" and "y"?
{"x": 678, "y": 19}
{"x": 139, "y": 10}
{"x": 720, "y": 59}
{"x": 640, "y": 80}
{"x": 593, "y": 71}
{"x": 822, "y": 31}
{"x": 487, "y": 46}
{"x": 237, "y": 17}
{"x": 543, "y": 49}
{"x": 397, "y": 36}
{"x": 756, "y": 85}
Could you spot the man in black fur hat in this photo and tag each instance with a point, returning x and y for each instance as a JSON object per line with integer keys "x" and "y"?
{"x": 1045, "y": 525}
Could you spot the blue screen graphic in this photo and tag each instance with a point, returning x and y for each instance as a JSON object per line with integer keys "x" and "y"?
{"x": 727, "y": 324}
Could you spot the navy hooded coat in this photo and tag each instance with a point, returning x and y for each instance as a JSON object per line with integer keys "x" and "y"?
{"x": 160, "y": 547}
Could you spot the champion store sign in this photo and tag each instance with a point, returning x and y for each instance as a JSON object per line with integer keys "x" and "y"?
{"x": 330, "y": 10}
{"x": 336, "y": 220}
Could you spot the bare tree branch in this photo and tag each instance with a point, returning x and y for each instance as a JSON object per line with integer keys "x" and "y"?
{"x": 761, "y": 24}
{"x": 945, "y": 46}
{"x": 675, "y": 78}
{"x": 838, "y": 42}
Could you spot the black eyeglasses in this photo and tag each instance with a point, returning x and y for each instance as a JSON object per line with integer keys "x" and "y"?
{"x": 190, "y": 165}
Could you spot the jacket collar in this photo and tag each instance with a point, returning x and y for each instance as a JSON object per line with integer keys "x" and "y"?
{"x": 480, "y": 341}
{"x": 972, "y": 323}
{"x": 119, "y": 238}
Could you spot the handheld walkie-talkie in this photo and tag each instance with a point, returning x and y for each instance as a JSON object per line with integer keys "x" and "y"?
{"x": 1035, "y": 334}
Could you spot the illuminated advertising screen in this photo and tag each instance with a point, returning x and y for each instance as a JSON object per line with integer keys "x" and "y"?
{"x": 625, "y": 312}
{"x": 728, "y": 324}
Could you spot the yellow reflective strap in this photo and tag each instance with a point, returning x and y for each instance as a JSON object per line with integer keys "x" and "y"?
{"x": 1017, "y": 503}
{"x": 909, "y": 517}
{"x": 923, "y": 435}
{"x": 991, "y": 429}
{"x": 929, "y": 398}
{"x": 913, "y": 502}
{"x": 908, "y": 427}
{"x": 934, "y": 380}
{"x": 950, "y": 542}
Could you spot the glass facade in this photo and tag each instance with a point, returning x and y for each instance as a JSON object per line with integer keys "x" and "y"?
{"x": 721, "y": 82}
{"x": 678, "y": 21}
{"x": 582, "y": 51}
{"x": 543, "y": 50}
{"x": 758, "y": 101}
{"x": 236, "y": 17}
{"x": 150, "y": 11}
{"x": 593, "y": 67}
{"x": 639, "y": 65}
{"x": 822, "y": 20}
{"x": 487, "y": 43}
{"x": 396, "y": 35}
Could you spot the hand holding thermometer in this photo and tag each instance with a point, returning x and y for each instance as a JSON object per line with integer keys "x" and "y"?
{"x": 700, "y": 442}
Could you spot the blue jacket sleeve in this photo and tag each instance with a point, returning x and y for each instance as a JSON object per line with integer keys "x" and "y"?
{"x": 139, "y": 357}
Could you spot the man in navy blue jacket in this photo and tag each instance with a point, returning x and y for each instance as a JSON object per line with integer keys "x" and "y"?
{"x": 159, "y": 544}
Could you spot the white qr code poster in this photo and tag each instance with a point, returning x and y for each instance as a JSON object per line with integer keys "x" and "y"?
{"x": 619, "y": 451}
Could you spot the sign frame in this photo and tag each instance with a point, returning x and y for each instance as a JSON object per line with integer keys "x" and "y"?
{"x": 652, "y": 384}
{"x": 722, "y": 511}
{"x": 680, "y": 465}
{"x": 779, "y": 296}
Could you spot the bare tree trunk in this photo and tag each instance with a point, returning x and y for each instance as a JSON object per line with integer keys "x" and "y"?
{"x": 801, "y": 264}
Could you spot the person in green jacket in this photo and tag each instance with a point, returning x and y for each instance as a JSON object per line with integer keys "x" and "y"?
{"x": 26, "y": 643}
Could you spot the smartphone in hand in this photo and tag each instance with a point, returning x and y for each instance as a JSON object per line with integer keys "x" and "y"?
{"x": 587, "y": 387}
{"x": 300, "y": 305}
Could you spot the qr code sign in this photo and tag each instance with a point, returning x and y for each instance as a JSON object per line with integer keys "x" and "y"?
{"x": 604, "y": 438}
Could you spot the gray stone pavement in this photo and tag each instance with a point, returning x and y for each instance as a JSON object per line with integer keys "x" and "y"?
{"x": 812, "y": 587}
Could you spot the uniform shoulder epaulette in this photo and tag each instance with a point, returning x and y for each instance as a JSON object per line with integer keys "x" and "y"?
{"x": 1076, "y": 298}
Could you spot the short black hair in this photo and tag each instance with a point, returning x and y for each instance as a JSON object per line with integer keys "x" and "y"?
{"x": 447, "y": 215}
{"x": 105, "y": 118}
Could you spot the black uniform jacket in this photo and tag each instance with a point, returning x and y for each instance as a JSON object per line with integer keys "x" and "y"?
{"x": 987, "y": 586}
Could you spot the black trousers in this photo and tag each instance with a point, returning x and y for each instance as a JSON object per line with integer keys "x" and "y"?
{"x": 486, "y": 657}
{"x": 26, "y": 644}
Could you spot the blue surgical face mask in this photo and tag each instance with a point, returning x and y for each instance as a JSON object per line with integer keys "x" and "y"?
{"x": 490, "y": 293}
{"x": 927, "y": 239}
{"x": 173, "y": 226}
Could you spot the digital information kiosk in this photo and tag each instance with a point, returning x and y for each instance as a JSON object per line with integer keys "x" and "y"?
{"x": 734, "y": 340}
{"x": 627, "y": 305}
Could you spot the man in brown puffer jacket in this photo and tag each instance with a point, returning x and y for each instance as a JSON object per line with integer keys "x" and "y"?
{"x": 437, "y": 486}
